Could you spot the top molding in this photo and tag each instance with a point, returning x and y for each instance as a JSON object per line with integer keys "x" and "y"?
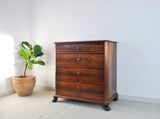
{"x": 84, "y": 41}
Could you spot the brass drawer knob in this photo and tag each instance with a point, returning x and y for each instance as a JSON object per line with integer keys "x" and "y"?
{"x": 78, "y": 59}
{"x": 77, "y": 48}
{"x": 78, "y": 73}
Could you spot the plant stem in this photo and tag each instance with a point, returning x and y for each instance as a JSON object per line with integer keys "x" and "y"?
{"x": 25, "y": 69}
{"x": 26, "y": 66}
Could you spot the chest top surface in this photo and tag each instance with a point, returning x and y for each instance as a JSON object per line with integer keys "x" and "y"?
{"x": 91, "y": 41}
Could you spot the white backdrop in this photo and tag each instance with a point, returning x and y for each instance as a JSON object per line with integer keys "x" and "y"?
{"x": 134, "y": 24}
{"x": 14, "y": 28}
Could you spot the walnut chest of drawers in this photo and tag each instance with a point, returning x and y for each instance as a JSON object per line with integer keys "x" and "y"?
{"x": 86, "y": 71}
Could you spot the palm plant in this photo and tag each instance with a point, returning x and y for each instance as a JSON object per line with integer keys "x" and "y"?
{"x": 31, "y": 54}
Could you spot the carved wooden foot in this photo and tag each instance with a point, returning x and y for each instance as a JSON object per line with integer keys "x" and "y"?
{"x": 116, "y": 98}
{"x": 106, "y": 107}
{"x": 55, "y": 99}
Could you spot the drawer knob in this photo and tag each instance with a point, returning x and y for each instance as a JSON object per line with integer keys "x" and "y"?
{"x": 78, "y": 73}
{"x": 78, "y": 87}
{"x": 77, "y": 48}
{"x": 78, "y": 59}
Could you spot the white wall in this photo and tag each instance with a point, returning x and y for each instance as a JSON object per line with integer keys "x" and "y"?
{"x": 14, "y": 28}
{"x": 134, "y": 24}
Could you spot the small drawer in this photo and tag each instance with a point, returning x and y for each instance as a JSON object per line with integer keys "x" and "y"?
{"x": 83, "y": 75}
{"x": 80, "y": 60}
{"x": 66, "y": 89}
{"x": 80, "y": 47}
{"x": 91, "y": 92}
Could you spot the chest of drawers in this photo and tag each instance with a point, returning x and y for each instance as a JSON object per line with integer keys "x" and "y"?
{"x": 86, "y": 71}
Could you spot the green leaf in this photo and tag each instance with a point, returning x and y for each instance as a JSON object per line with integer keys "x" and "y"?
{"x": 30, "y": 67}
{"x": 23, "y": 57}
{"x": 37, "y": 48}
{"x": 33, "y": 55}
{"x": 37, "y": 51}
{"x": 23, "y": 53}
{"x": 38, "y": 54}
{"x": 39, "y": 62}
{"x": 30, "y": 63}
{"x": 25, "y": 45}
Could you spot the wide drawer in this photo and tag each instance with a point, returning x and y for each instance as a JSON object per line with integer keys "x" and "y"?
{"x": 83, "y": 75}
{"x": 80, "y": 90}
{"x": 80, "y": 60}
{"x": 80, "y": 47}
{"x": 66, "y": 89}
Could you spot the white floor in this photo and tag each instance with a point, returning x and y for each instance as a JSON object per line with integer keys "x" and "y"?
{"x": 39, "y": 106}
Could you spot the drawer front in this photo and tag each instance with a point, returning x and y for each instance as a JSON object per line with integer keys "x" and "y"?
{"x": 80, "y": 60}
{"x": 91, "y": 92}
{"x": 80, "y": 47}
{"x": 79, "y": 90}
{"x": 83, "y": 75}
{"x": 66, "y": 89}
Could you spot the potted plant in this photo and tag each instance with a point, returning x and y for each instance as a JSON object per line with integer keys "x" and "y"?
{"x": 24, "y": 84}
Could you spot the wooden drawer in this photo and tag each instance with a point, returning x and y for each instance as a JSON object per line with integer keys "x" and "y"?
{"x": 83, "y": 75}
{"x": 80, "y": 90}
{"x": 80, "y": 47}
{"x": 91, "y": 92}
{"x": 66, "y": 89}
{"x": 80, "y": 60}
